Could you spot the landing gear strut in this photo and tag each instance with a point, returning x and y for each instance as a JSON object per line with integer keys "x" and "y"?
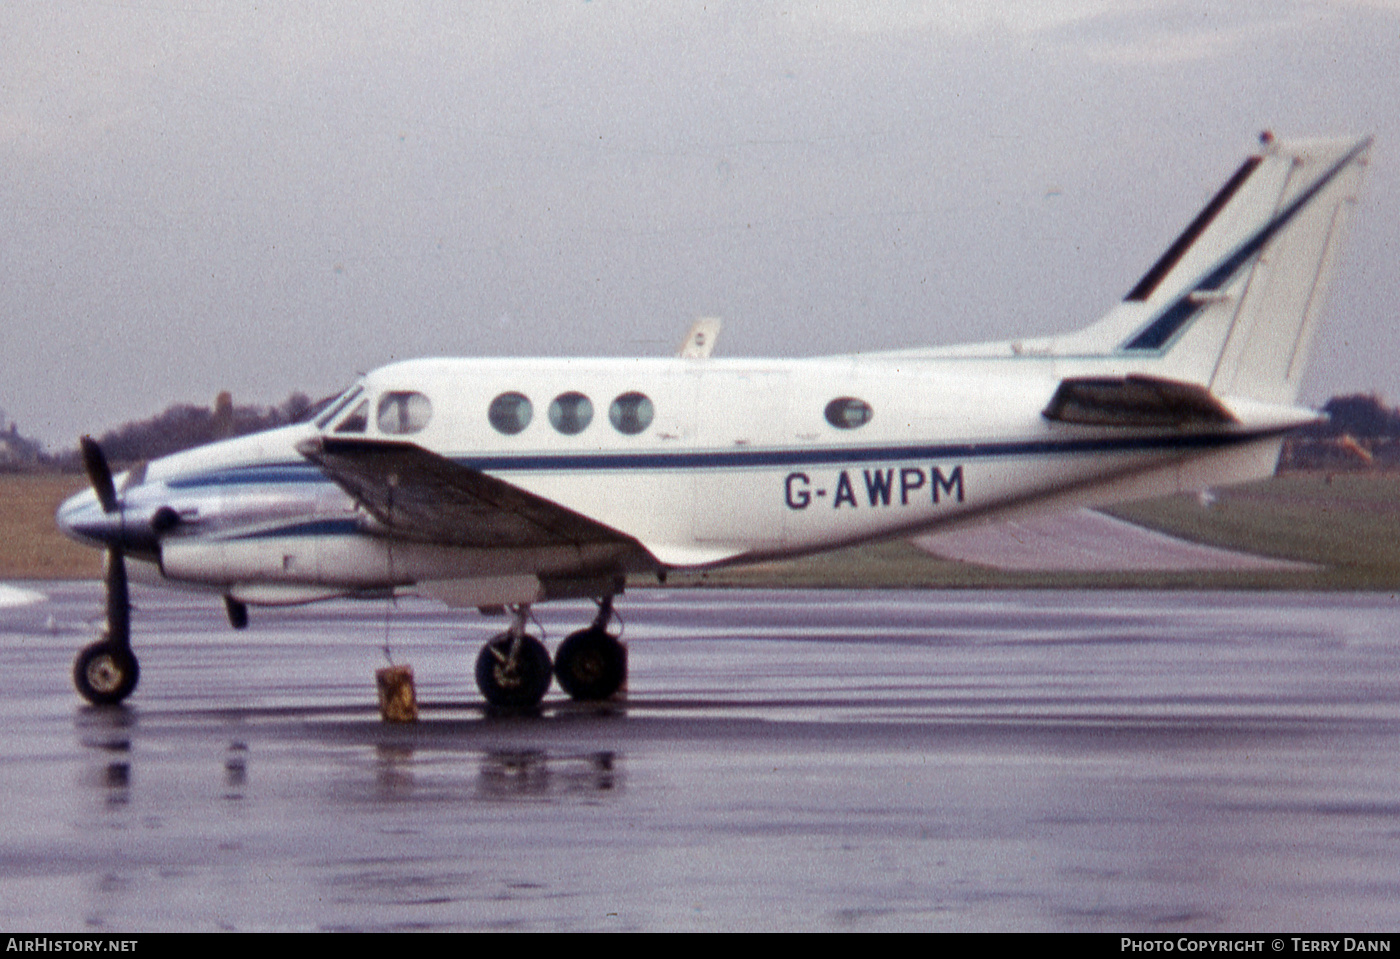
{"x": 591, "y": 664}
{"x": 106, "y": 671}
{"x": 513, "y": 669}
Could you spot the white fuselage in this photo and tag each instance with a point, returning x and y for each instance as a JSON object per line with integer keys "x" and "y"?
{"x": 737, "y": 460}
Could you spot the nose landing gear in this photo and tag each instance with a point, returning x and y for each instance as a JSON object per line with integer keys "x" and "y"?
{"x": 106, "y": 671}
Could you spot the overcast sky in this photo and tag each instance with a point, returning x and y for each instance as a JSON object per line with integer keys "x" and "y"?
{"x": 199, "y": 196}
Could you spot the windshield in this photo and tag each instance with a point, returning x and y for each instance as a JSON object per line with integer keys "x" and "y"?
{"x": 342, "y": 401}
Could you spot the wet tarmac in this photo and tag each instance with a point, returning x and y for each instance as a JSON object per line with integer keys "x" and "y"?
{"x": 1098, "y": 761}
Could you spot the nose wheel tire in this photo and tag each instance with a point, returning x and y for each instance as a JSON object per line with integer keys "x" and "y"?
{"x": 513, "y": 673}
{"x": 591, "y": 664}
{"x": 105, "y": 673}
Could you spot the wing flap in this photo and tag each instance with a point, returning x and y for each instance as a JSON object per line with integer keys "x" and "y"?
{"x": 420, "y": 494}
{"x": 1137, "y": 401}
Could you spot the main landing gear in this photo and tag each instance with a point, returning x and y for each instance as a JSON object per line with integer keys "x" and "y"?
{"x": 592, "y": 663}
{"x": 513, "y": 670}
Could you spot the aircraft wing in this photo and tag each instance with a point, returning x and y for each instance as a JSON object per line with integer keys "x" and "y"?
{"x": 422, "y": 495}
{"x": 1135, "y": 401}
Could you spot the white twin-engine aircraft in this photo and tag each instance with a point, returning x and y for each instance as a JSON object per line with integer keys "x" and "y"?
{"x": 499, "y": 483}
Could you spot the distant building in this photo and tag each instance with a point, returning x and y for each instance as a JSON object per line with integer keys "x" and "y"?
{"x": 18, "y": 452}
{"x": 1362, "y": 432}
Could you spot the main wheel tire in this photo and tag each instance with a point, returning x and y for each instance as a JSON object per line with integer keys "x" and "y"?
{"x": 520, "y": 684}
{"x": 105, "y": 673}
{"x": 591, "y": 664}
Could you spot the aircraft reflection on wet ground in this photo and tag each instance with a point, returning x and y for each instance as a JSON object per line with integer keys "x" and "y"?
{"x": 398, "y": 770}
{"x": 783, "y": 760}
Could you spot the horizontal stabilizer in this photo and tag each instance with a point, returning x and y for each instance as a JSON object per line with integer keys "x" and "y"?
{"x": 1135, "y": 401}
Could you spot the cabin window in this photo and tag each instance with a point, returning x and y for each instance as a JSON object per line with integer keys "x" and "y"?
{"x": 357, "y": 421}
{"x": 631, "y": 413}
{"x": 570, "y": 413}
{"x": 848, "y": 413}
{"x": 510, "y": 413}
{"x": 403, "y": 412}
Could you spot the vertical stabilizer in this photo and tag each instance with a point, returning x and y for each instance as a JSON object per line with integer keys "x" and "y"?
{"x": 1233, "y": 304}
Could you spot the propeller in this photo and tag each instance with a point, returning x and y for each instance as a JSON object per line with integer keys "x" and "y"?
{"x": 99, "y": 474}
{"x": 118, "y": 595}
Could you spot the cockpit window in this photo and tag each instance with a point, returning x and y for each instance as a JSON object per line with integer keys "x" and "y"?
{"x": 510, "y": 413}
{"x": 570, "y": 413}
{"x": 333, "y": 410}
{"x": 848, "y": 413}
{"x": 403, "y": 412}
{"x": 357, "y": 421}
{"x": 631, "y": 413}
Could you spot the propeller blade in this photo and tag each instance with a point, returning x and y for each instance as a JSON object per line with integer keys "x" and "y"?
{"x": 118, "y": 601}
{"x": 99, "y": 474}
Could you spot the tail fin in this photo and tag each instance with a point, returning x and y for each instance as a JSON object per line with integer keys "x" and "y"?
{"x": 1233, "y": 303}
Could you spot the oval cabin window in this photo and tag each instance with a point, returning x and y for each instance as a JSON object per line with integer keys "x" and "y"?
{"x": 570, "y": 413}
{"x": 510, "y": 413}
{"x": 631, "y": 413}
{"x": 848, "y": 413}
{"x": 403, "y": 412}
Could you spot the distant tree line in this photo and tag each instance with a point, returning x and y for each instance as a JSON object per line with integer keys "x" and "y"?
{"x": 1361, "y": 432}
{"x": 178, "y": 427}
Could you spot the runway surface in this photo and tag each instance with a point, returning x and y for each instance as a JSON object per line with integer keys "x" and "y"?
{"x": 1099, "y": 761}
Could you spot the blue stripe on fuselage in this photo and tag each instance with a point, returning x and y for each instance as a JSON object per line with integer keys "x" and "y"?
{"x": 260, "y": 474}
{"x": 759, "y": 459}
{"x": 317, "y": 527}
{"x": 286, "y": 473}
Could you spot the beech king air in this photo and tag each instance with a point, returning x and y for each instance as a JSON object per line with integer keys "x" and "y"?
{"x": 499, "y": 483}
